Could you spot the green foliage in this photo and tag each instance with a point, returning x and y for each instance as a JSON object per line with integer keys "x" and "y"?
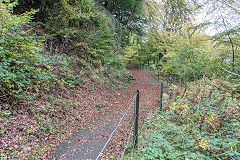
{"x": 23, "y": 68}
{"x": 2, "y": 132}
{"x": 100, "y": 48}
{"x": 21, "y": 65}
{"x": 176, "y": 14}
{"x": 3, "y": 156}
{"x": 203, "y": 124}
{"x": 85, "y": 29}
{"x": 29, "y": 131}
{"x": 128, "y": 13}
{"x": 88, "y": 33}
{"x": 178, "y": 47}
{"x": 70, "y": 13}
{"x": 225, "y": 31}
{"x": 187, "y": 55}
{"x": 190, "y": 58}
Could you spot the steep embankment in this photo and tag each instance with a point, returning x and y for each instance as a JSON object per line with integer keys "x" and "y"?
{"x": 35, "y": 131}
{"x": 53, "y": 60}
{"x": 50, "y": 72}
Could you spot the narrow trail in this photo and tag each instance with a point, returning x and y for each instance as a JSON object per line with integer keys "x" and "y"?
{"x": 88, "y": 142}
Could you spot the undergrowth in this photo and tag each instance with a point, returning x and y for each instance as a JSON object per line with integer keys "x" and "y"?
{"x": 44, "y": 64}
{"x": 201, "y": 122}
{"x": 76, "y": 41}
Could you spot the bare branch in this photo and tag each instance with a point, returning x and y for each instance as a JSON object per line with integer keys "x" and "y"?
{"x": 229, "y": 71}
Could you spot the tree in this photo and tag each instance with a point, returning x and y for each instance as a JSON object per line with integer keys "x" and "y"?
{"x": 224, "y": 17}
{"x": 128, "y": 13}
{"x": 176, "y": 13}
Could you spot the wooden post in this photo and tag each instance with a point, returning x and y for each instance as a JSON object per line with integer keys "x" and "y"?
{"x": 136, "y": 115}
{"x": 161, "y": 96}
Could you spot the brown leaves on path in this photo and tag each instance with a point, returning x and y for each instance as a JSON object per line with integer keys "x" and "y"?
{"x": 98, "y": 132}
{"x": 35, "y": 131}
{"x": 149, "y": 104}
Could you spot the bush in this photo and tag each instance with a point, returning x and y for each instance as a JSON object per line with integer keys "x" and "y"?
{"x": 201, "y": 123}
{"x": 21, "y": 66}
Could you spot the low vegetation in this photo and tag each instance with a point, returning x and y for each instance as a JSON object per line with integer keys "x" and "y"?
{"x": 55, "y": 52}
{"x": 49, "y": 58}
{"x": 201, "y": 122}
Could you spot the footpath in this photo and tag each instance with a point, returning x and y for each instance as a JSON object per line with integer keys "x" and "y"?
{"x": 88, "y": 143}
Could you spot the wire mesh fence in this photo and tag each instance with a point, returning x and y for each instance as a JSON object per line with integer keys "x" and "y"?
{"x": 168, "y": 93}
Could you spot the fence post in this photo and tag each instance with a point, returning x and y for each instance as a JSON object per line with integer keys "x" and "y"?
{"x": 161, "y": 96}
{"x": 170, "y": 81}
{"x": 136, "y": 115}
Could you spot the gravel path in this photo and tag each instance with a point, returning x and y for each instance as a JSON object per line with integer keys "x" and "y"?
{"x": 87, "y": 143}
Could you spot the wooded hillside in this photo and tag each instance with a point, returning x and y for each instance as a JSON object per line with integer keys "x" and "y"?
{"x": 51, "y": 48}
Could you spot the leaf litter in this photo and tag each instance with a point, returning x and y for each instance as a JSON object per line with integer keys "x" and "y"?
{"x": 31, "y": 133}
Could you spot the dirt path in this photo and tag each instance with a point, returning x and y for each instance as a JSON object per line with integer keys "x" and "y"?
{"x": 88, "y": 142}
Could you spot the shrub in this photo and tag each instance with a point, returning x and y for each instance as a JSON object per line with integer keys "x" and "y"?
{"x": 21, "y": 66}
{"x": 202, "y": 124}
